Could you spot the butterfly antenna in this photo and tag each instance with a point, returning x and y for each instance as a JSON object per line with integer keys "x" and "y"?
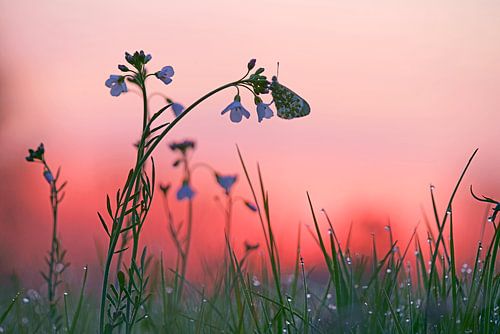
{"x": 277, "y": 69}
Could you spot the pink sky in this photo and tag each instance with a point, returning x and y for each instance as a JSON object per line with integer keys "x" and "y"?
{"x": 401, "y": 95}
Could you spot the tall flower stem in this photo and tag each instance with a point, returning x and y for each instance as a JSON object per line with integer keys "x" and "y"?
{"x": 51, "y": 280}
{"x": 143, "y": 155}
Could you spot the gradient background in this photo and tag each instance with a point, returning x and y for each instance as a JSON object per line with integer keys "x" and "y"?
{"x": 401, "y": 95}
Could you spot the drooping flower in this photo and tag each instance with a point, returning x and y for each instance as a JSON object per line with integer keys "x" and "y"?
{"x": 117, "y": 84}
{"x": 165, "y": 74}
{"x": 263, "y": 111}
{"x": 237, "y": 110}
{"x": 182, "y": 146}
{"x": 226, "y": 181}
{"x": 177, "y": 108}
{"x": 185, "y": 192}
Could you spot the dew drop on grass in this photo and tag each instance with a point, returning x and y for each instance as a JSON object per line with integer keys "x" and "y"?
{"x": 169, "y": 290}
{"x": 308, "y": 296}
{"x": 25, "y": 300}
{"x": 389, "y": 270}
{"x": 65, "y": 293}
{"x": 329, "y": 296}
{"x": 2, "y": 330}
{"x": 289, "y": 299}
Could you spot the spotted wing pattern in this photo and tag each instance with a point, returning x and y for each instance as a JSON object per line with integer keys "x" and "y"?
{"x": 288, "y": 104}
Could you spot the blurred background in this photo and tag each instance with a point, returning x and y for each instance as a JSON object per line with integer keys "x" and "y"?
{"x": 401, "y": 95}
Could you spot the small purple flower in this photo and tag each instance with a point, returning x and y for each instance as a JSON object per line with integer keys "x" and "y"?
{"x": 185, "y": 192}
{"x": 263, "y": 111}
{"x": 117, "y": 84}
{"x": 226, "y": 182}
{"x": 48, "y": 176}
{"x": 165, "y": 74}
{"x": 237, "y": 111}
{"x": 177, "y": 108}
{"x": 183, "y": 146}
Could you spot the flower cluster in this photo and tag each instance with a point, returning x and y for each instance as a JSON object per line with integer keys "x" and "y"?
{"x": 137, "y": 75}
{"x": 258, "y": 84}
{"x": 36, "y": 154}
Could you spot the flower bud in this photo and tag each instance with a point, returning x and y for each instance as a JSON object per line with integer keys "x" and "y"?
{"x": 48, "y": 176}
{"x": 123, "y": 68}
{"x": 251, "y": 64}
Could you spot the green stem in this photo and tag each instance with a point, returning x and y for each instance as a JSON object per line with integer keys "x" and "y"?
{"x": 129, "y": 185}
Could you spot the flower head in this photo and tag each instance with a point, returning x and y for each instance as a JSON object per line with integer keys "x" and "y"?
{"x": 138, "y": 59}
{"x": 226, "y": 181}
{"x": 165, "y": 74}
{"x": 117, "y": 84}
{"x": 182, "y": 146}
{"x": 36, "y": 155}
{"x": 237, "y": 110}
{"x": 263, "y": 111}
{"x": 185, "y": 192}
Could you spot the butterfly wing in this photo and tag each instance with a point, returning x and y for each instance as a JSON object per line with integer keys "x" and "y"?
{"x": 288, "y": 104}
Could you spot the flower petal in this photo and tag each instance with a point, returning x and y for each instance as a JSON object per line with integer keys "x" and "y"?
{"x": 116, "y": 90}
{"x": 235, "y": 115}
{"x": 168, "y": 71}
{"x": 245, "y": 112}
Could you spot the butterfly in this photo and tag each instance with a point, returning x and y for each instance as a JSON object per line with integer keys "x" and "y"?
{"x": 289, "y": 104}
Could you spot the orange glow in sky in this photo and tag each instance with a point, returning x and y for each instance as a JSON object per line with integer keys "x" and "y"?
{"x": 401, "y": 94}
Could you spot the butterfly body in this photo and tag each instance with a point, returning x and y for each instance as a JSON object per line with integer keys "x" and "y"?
{"x": 288, "y": 104}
